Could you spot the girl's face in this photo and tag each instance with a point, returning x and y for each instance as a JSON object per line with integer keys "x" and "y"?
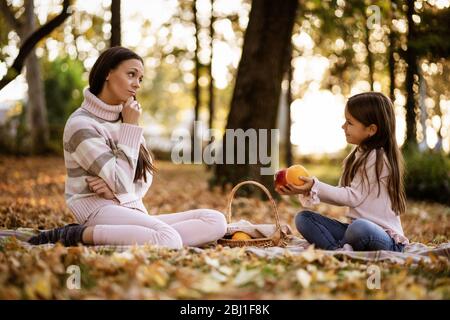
{"x": 355, "y": 131}
{"x": 123, "y": 81}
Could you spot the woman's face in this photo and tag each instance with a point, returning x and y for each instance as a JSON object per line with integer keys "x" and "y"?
{"x": 124, "y": 81}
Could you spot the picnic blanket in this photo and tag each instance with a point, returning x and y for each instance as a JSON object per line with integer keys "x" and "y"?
{"x": 414, "y": 252}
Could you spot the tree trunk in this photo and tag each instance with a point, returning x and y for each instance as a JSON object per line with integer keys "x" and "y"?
{"x": 196, "y": 83}
{"x": 284, "y": 121}
{"x": 369, "y": 58}
{"x": 211, "y": 79}
{"x": 288, "y": 146}
{"x": 115, "y": 24}
{"x": 258, "y": 86}
{"x": 391, "y": 65}
{"x": 410, "y": 81}
{"x": 36, "y": 107}
{"x": 391, "y": 51}
{"x": 440, "y": 138}
{"x": 211, "y": 103}
{"x": 36, "y": 111}
{"x": 423, "y": 111}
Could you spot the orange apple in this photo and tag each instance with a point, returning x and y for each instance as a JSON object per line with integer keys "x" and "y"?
{"x": 239, "y": 235}
{"x": 280, "y": 178}
{"x": 294, "y": 172}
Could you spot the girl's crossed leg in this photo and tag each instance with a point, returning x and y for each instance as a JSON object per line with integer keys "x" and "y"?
{"x": 323, "y": 232}
{"x": 364, "y": 235}
{"x": 330, "y": 234}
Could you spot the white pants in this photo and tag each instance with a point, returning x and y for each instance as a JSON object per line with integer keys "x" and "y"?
{"x": 117, "y": 225}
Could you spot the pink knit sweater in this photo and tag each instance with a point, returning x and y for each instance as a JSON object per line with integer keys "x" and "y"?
{"x": 97, "y": 143}
{"x": 362, "y": 201}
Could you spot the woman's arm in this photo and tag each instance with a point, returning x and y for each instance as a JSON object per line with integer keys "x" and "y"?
{"x": 97, "y": 185}
{"x": 88, "y": 147}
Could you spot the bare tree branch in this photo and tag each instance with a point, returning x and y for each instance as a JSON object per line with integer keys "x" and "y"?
{"x": 28, "y": 45}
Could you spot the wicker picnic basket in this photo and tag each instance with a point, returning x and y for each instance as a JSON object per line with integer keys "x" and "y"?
{"x": 278, "y": 238}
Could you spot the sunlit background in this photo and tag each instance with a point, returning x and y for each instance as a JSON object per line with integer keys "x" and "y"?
{"x": 316, "y": 112}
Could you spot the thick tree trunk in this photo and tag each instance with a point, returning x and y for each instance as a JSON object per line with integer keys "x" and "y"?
{"x": 116, "y": 30}
{"x": 36, "y": 110}
{"x": 410, "y": 81}
{"x": 258, "y": 86}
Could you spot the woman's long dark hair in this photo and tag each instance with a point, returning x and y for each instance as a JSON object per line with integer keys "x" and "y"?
{"x": 375, "y": 108}
{"x": 107, "y": 61}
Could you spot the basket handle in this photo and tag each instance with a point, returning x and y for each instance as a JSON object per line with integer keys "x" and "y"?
{"x": 233, "y": 191}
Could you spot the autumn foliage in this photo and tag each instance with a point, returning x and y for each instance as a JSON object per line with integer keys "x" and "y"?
{"x": 32, "y": 195}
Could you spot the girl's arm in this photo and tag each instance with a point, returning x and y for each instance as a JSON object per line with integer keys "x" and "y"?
{"x": 358, "y": 190}
{"x": 351, "y": 196}
{"x": 314, "y": 191}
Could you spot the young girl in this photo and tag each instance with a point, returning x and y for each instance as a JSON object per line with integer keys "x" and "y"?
{"x": 109, "y": 169}
{"x": 371, "y": 184}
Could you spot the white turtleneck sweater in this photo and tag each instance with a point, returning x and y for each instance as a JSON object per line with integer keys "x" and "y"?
{"x": 97, "y": 143}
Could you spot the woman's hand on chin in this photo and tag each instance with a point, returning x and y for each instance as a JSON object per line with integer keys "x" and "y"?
{"x": 131, "y": 111}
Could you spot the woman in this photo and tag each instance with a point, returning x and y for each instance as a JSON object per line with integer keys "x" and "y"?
{"x": 109, "y": 169}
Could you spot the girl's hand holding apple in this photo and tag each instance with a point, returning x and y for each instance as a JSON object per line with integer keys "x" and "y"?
{"x": 293, "y": 180}
{"x": 291, "y": 189}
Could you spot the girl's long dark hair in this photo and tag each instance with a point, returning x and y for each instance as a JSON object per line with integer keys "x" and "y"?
{"x": 107, "y": 61}
{"x": 375, "y": 108}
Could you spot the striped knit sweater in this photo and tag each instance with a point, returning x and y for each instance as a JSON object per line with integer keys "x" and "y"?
{"x": 97, "y": 143}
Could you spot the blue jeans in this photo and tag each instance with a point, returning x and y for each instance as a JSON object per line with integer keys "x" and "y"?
{"x": 330, "y": 234}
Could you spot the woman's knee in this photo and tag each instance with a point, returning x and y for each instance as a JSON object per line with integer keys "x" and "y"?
{"x": 169, "y": 237}
{"x": 217, "y": 221}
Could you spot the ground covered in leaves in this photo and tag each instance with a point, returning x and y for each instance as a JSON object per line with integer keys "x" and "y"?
{"x": 31, "y": 195}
